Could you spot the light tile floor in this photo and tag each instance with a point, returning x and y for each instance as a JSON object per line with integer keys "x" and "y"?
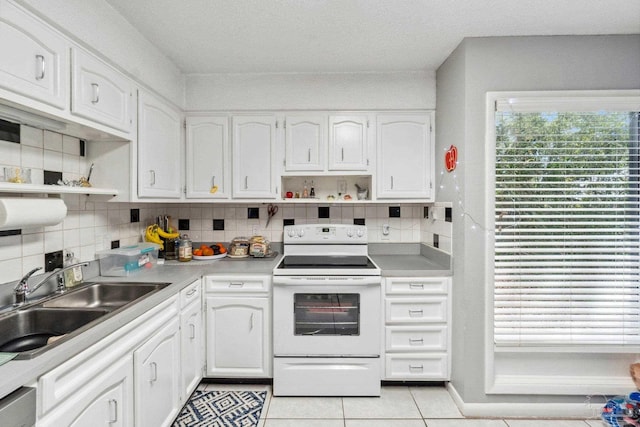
{"x": 398, "y": 406}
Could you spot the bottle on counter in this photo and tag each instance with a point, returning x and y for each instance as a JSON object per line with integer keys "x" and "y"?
{"x": 73, "y": 276}
{"x": 312, "y": 193}
{"x": 305, "y": 192}
{"x": 185, "y": 248}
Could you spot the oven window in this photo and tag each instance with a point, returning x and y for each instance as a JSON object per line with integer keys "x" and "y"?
{"x": 326, "y": 314}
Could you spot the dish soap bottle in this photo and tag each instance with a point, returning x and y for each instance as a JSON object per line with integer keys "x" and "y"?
{"x": 73, "y": 276}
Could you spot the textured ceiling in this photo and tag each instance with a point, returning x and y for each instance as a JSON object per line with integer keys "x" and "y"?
{"x": 275, "y": 36}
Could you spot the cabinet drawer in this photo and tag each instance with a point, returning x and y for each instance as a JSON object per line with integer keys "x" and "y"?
{"x": 416, "y": 338}
{"x": 414, "y": 310}
{"x": 190, "y": 293}
{"x": 409, "y": 285}
{"x": 237, "y": 284}
{"x": 417, "y": 366}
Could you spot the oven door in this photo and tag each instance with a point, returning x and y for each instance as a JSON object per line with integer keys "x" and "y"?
{"x": 325, "y": 316}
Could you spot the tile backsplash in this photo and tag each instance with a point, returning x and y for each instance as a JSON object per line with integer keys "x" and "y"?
{"x": 93, "y": 223}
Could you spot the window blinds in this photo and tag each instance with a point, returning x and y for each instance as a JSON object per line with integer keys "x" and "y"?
{"x": 567, "y": 251}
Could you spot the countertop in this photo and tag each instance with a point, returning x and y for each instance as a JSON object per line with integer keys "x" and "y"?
{"x": 17, "y": 373}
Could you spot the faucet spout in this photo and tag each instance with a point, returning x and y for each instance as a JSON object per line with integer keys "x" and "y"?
{"x": 22, "y": 289}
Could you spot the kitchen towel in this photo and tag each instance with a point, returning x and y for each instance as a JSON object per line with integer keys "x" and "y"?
{"x": 5, "y": 357}
{"x": 20, "y": 212}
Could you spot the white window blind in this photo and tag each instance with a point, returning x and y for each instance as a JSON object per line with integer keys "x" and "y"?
{"x": 567, "y": 251}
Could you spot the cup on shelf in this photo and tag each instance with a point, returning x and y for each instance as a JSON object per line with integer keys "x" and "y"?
{"x": 17, "y": 175}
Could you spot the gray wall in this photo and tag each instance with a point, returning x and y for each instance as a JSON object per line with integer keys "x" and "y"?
{"x": 477, "y": 66}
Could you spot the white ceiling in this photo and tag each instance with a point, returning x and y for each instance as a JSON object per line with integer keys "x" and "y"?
{"x": 274, "y": 36}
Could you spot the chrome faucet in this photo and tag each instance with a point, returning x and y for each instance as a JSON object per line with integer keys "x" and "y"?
{"x": 21, "y": 291}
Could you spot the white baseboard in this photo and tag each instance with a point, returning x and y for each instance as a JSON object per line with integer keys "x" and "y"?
{"x": 586, "y": 410}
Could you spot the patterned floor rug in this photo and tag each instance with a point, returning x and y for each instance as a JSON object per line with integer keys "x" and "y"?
{"x": 222, "y": 409}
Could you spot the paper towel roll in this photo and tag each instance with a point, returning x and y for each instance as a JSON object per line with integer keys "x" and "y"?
{"x": 19, "y": 212}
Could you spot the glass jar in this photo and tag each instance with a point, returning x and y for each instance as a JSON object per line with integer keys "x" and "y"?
{"x": 185, "y": 249}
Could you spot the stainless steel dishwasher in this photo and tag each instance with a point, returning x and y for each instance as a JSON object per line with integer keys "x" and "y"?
{"x": 19, "y": 408}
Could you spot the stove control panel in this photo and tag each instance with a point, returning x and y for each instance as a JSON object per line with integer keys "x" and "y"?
{"x": 325, "y": 234}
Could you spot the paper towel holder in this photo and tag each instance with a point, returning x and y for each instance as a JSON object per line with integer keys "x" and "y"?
{"x": 20, "y": 212}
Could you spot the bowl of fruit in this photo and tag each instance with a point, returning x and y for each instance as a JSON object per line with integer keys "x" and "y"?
{"x": 209, "y": 252}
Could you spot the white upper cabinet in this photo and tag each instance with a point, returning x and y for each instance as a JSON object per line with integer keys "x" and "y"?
{"x": 34, "y": 58}
{"x": 208, "y": 157}
{"x": 159, "y": 148}
{"x": 327, "y": 143}
{"x": 99, "y": 92}
{"x": 348, "y": 143}
{"x": 305, "y": 142}
{"x": 254, "y": 143}
{"x": 405, "y": 164}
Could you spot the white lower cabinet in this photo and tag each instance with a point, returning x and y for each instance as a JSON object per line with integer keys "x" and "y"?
{"x": 105, "y": 401}
{"x": 417, "y": 328}
{"x": 140, "y": 375}
{"x": 238, "y": 327}
{"x": 191, "y": 339}
{"x": 157, "y": 377}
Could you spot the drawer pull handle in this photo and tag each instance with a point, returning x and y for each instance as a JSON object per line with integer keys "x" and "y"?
{"x": 251, "y": 322}
{"x": 191, "y": 292}
{"x": 416, "y": 341}
{"x": 416, "y": 286}
{"x": 416, "y": 368}
{"x": 96, "y": 93}
{"x": 236, "y": 284}
{"x": 154, "y": 372}
{"x": 153, "y": 177}
{"x": 415, "y": 313}
{"x": 309, "y": 155}
{"x": 40, "y": 60}
{"x": 193, "y": 331}
{"x": 113, "y": 411}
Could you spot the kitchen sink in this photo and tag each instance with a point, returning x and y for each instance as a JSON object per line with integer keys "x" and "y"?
{"x": 103, "y": 295}
{"x": 26, "y": 330}
{"x": 33, "y": 329}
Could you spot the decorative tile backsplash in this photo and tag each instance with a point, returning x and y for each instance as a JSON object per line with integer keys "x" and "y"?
{"x": 92, "y": 225}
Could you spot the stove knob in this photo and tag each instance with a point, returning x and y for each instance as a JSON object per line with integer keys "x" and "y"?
{"x": 349, "y": 232}
{"x": 301, "y": 232}
{"x": 291, "y": 232}
{"x": 360, "y": 232}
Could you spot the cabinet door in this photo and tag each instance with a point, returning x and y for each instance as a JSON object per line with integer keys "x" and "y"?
{"x": 238, "y": 343}
{"x": 34, "y": 58}
{"x": 99, "y": 92}
{"x": 208, "y": 161}
{"x": 105, "y": 401}
{"x": 191, "y": 348}
{"x": 348, "y": 143}
{"x": 305, "y": 143}
{"x": 158, "y": 148}
{"x": 157, "y": 377}
{"x": 253, "y": 157}
{"x": 405, "y": 156}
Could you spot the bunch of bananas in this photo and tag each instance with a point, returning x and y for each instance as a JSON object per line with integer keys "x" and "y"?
{"x": 155, "y": 234}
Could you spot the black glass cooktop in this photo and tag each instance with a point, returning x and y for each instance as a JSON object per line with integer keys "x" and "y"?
{"x": 293, "y": 262}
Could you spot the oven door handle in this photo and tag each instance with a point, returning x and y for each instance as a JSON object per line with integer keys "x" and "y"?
{"x": 327, "y": 280}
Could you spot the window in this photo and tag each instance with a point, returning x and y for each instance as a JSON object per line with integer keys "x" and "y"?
{"x": 567, "y": 251}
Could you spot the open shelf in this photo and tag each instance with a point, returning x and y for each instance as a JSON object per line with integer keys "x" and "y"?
{"x": 8, "y": 187}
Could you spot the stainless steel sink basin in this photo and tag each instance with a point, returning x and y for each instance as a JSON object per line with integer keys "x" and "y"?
{"x": 25, "y": 330}
{"x": 33, "y": 329}
{"x": 103, "y": 295}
